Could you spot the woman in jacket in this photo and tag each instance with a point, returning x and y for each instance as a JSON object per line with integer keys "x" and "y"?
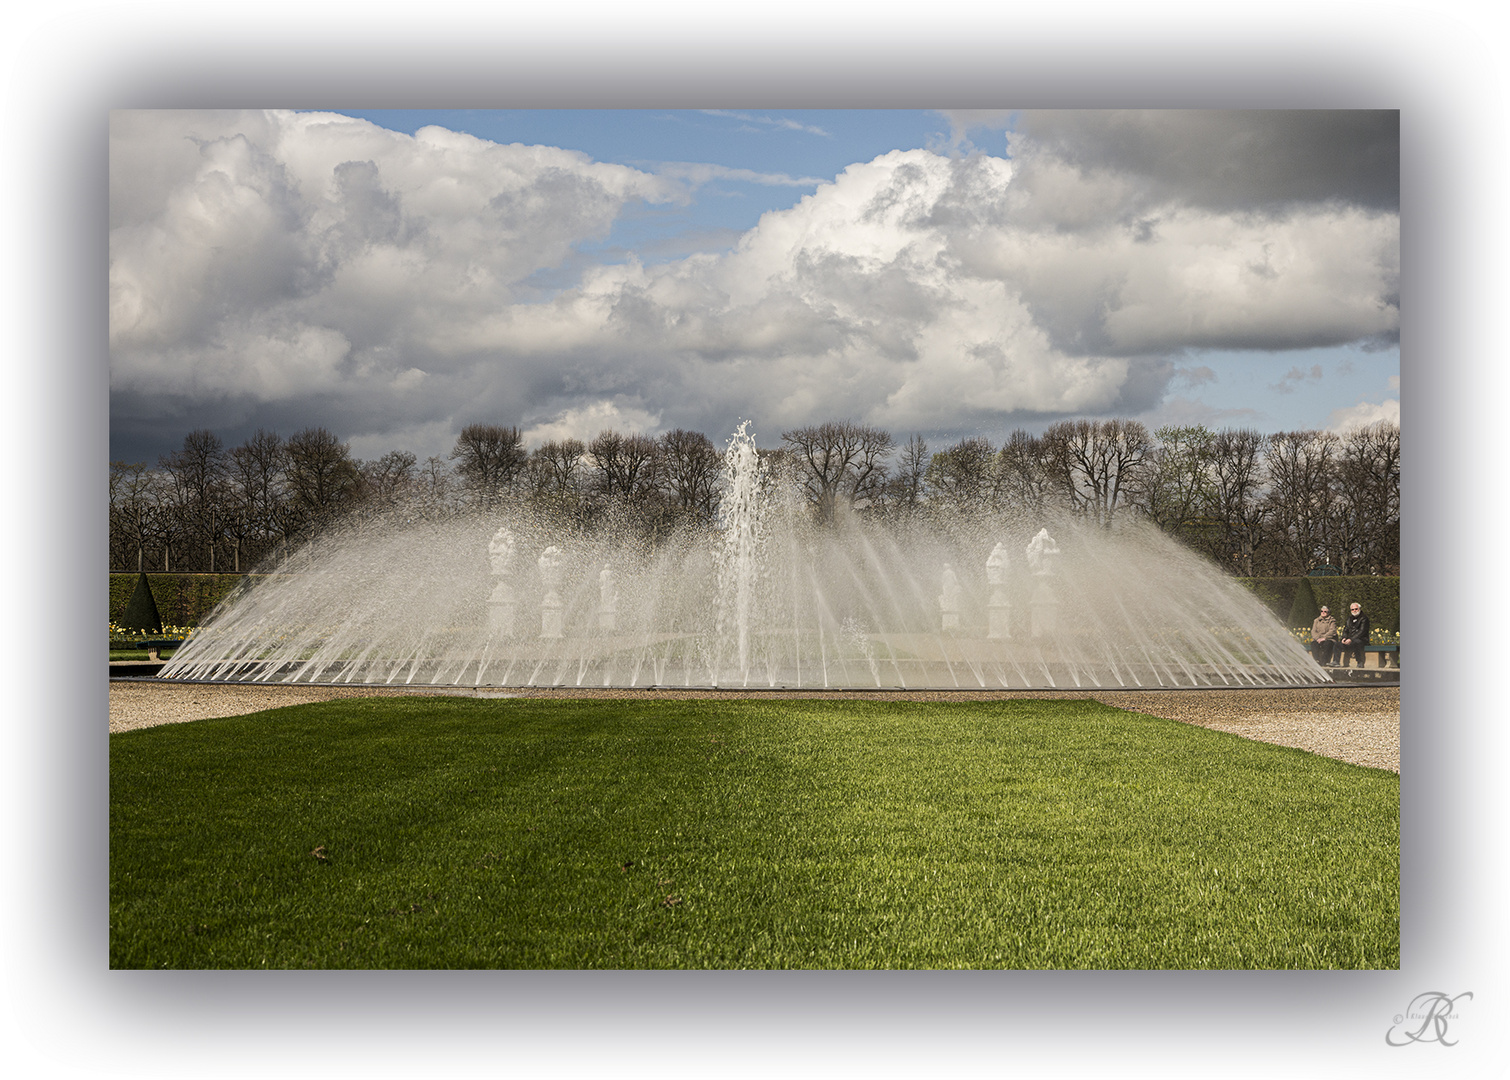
{"x": 1324, "y": 638}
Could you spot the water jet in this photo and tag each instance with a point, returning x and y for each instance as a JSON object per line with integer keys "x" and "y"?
{"x": 767, "y": 598}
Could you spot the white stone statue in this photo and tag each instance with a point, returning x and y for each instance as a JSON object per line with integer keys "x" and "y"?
{"x": 949, "y": 598}
{"x": 549, "y": 564}
{"x": 608, "y": 599}
{"x": 996, "y": 565}
{"x": 501, "y": 604}
{"x": 998, "y": 607}
{"x": 1043, "y": 608}
{"x": 501, "y": 552}
{"x": 1042, "y": 552}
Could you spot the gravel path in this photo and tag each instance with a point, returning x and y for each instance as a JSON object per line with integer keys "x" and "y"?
{"x": 1360, "y": 725}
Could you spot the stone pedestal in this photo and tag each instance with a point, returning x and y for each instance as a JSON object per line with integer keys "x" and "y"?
{"x": 551, "y": 620}
{"x": 502, "y": 604}
{"x": 1043, "y": 607}
{"x": 608, "y": 601}
{"x": 998, "y": 608}
{"x": 999, "y": 614}
{"x": 502, "y": 607}
{"x": 1044, "y": 610}
{"x": 949, "y": 599}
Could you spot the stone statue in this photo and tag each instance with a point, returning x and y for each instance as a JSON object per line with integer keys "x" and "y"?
{"x": 998, "y": 607}
{"x": 996, "y": 565}
{"x": 550, "y": 608}
{"x": 608, "y": 599}
{"x": 502, "y": 604}
{"x": 1043, "y": 608}
{"x": 949, "y": 598}
{"x": 1042, "y": 552}
{"x": 501, "y": 552}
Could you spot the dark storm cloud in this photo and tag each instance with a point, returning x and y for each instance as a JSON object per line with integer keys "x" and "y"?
{"x": 1231, "y": 160}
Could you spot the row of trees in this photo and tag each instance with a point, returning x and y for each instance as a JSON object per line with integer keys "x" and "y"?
{"x": 1259, "y": 504}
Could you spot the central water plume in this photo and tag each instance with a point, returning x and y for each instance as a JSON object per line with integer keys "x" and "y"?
{"x": 766, "y": 598}
{"x": 742, "y": 525}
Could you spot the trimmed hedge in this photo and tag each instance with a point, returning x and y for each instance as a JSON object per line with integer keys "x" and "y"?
{"x": 141, "y": 610}
{"x": 182, "y": 599}
{"x": 1380, "y": 596}
{"x": 1303, "y": 609}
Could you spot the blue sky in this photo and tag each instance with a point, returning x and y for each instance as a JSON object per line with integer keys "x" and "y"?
{"x": 945, "y": 273}
{"x": 804, "y": 145}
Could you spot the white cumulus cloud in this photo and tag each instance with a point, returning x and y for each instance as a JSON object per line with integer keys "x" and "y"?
{"x": 308, "y": 267}
{"x": 1363, "y": 414}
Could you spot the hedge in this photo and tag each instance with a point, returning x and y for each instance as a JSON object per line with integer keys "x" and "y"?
{"x": 1380, "y": 596}
{"x": 182, "y": 599}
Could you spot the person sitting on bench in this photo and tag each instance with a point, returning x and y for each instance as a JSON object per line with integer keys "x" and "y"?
{"x": 1324, "y": 638}
{"x": 1355, "y": 634}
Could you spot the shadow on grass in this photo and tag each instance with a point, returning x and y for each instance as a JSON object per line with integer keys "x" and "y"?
{"x": 434, "y": 832}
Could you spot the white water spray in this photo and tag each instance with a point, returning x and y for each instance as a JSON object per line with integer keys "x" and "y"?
{"x": 775, "y": 601}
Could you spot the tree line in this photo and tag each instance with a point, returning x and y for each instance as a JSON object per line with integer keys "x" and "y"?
{"x": 1277, "y": 504}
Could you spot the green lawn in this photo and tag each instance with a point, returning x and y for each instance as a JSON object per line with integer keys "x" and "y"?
{"x": 433, "y": 832}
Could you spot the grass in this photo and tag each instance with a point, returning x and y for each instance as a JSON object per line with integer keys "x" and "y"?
{"x": 432, "y": 832}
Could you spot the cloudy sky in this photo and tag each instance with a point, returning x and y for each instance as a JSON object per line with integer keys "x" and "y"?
{"x": 395, "y": 275}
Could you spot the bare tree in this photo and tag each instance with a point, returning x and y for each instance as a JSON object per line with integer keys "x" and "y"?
{"x": 908, "y": 485}
{"x": 555, "y": 476}
{"x": 131, "y": 508}
{"x": 488, "y": 459}
{"x": 170, "y": 523}
{"x": 1237, "y": 506}
{"x": 839, "y": 458}
{"x": 257, "y": 485}
{"x": 1024, "y": 474}
{"x": 1368, "y": 498}
{"x": 1098, "y": 465}
{"x": 1300, "y": 467}
{"x": 1178, "y": 493}
{"x": 198, "y": 470}
{"x": 391, "y": 477}
{"x": 626, "y": 466}
{"x": 963, "y": 477}
{"x": 690, "y": 468}
{"x": 435, "y": 489}
{"x": 322, "y": 477}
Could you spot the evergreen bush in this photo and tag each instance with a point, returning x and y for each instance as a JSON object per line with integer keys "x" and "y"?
{"x": 141, "y": 610}
{"x": 1304, "y": 609}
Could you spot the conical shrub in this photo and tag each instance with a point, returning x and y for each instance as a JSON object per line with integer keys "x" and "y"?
{"x": 141, "y": 610}
{"x": 1304, "y": 609}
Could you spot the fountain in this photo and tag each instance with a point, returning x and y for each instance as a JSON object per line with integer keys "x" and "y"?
{"x": 767, "y": 599}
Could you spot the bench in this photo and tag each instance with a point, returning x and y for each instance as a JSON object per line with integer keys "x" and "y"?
{"x": 152, "y": 645}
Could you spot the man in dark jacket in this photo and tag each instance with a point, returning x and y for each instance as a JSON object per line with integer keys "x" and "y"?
{"x": 1354, "y": 634}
